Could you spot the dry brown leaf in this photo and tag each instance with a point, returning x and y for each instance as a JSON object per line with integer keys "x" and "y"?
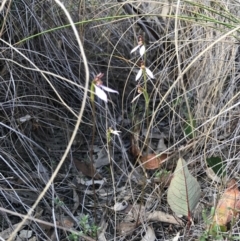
{"x": 149, "y": 161}
{"x": 160, "y": 216}
{"x": 152, "y": 161}
{"x": 140, "y": 211}
{"x": 87, "y": 169}
{"x": 228, "y": 205}
{"x": 138, "y": 215}
{"x": 126, "y": 228}
{"x": 66, "y": 222}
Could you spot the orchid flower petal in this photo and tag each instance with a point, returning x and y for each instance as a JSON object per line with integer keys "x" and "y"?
{"x": 135, "y": 97}
{"x": 108, "y": 89}
{"x": 134, "y": 49}
{"x": 149, "y": 73}
{"x": 100, "y": 93}
{"x": 142, "y": 50}
{"x": 115, "y": 132}
{"x": 139, "y": 74}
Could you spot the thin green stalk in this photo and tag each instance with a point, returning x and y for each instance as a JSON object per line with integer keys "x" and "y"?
{"x": 109, "y": 133}
{"x": 224, "y": 13}
{"x": 109, "y": 18}
{"x": 92, "y": 145}
{"x": 146, "y": 97}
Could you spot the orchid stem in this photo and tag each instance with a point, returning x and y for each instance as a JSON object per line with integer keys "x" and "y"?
{"x": 92, "y": 98}
{"x": 109, "y": 142}
{"x": 146, "y": 97}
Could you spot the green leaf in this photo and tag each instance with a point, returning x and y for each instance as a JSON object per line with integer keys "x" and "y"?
{"x": 217, "y": 166}
{"x": 216, "y": 229}
{"x": 177, "y": 101}
{"x": 184, "y": 190}
{"x": 235, "y": 238}
{"x": 190, "y": 127}
{"x": 204, "y": 215}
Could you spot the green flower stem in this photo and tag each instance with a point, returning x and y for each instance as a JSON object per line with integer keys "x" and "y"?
{"x": 109, "y": 141}
{"x": 92, "y": 99}
{"x": 146, "y": 97}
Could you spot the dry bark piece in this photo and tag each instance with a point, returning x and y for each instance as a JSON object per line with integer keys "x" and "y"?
{"x": 152, "y": 161}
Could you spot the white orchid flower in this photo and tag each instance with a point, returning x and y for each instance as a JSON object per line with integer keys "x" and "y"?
{"x": 101, "y": 94}
{"x": 147, "y": 70}
{"x": 100, "y": 88}
{"x": 114, "y": 132}
{"x": 140, "y": 46}
{"x": 142, "y": 49}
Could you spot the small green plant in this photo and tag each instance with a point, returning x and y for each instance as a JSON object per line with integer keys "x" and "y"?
{"x": 94, "y": 230}
{"x": 217, "y": 165}
{"x": 161, "y": 173}
{"x": 207, "y": 220}
{"x": 58, "y": 202}
{"x": 87, "y": 228}
{"x": 215, "y": 232}
{"x": 85, "y": 224}
{"x": 75, "y": 236}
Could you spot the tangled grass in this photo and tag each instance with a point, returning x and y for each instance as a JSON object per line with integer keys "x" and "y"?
{"x": 193, "y": 51}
